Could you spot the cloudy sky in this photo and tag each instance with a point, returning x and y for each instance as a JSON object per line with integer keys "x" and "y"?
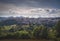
{"x": 30, "y": 8}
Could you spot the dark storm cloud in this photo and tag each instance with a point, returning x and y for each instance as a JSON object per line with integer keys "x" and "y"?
{"x": 34, "y": 3}
{"x": 43, "y": 8}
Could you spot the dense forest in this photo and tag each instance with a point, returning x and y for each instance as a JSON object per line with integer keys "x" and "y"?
{"x": 30, "y": 31}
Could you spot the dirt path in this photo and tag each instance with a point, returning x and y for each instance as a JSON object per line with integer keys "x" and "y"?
{"x": 23, "y": 40}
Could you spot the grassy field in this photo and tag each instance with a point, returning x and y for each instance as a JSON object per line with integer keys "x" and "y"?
{"x": 23, "y": 40}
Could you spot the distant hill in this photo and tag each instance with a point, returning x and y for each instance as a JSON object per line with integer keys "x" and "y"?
{"x": 48, "y": 22}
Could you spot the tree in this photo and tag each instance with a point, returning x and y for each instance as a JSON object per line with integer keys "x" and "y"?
{"x": 38, "y": 32}
{"x": 3, "y": 34}
{"x": 22, "y": 34}
{"x": 58, "y": 28}
{"x": 45, "y": 33}
{"x": 51, "y": 34}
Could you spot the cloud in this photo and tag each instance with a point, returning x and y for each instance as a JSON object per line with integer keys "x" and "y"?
{"x": 34, "y": 3}
{"x": 28, "y": 11}
{"x": 12, "y": 10}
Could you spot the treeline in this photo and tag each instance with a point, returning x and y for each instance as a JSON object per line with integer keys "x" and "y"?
{"x": 30, "y": 32}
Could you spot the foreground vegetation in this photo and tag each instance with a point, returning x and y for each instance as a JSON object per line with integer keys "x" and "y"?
{"x": 30, "y": 31}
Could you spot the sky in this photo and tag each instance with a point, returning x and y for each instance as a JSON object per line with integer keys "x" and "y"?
{"x": 30, "y": 8}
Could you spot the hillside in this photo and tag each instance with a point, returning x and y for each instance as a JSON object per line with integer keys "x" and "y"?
{"x": 48, "y": 22}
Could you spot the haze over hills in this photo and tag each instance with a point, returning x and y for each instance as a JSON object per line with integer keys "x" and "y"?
{"x": 49, "y": 22}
